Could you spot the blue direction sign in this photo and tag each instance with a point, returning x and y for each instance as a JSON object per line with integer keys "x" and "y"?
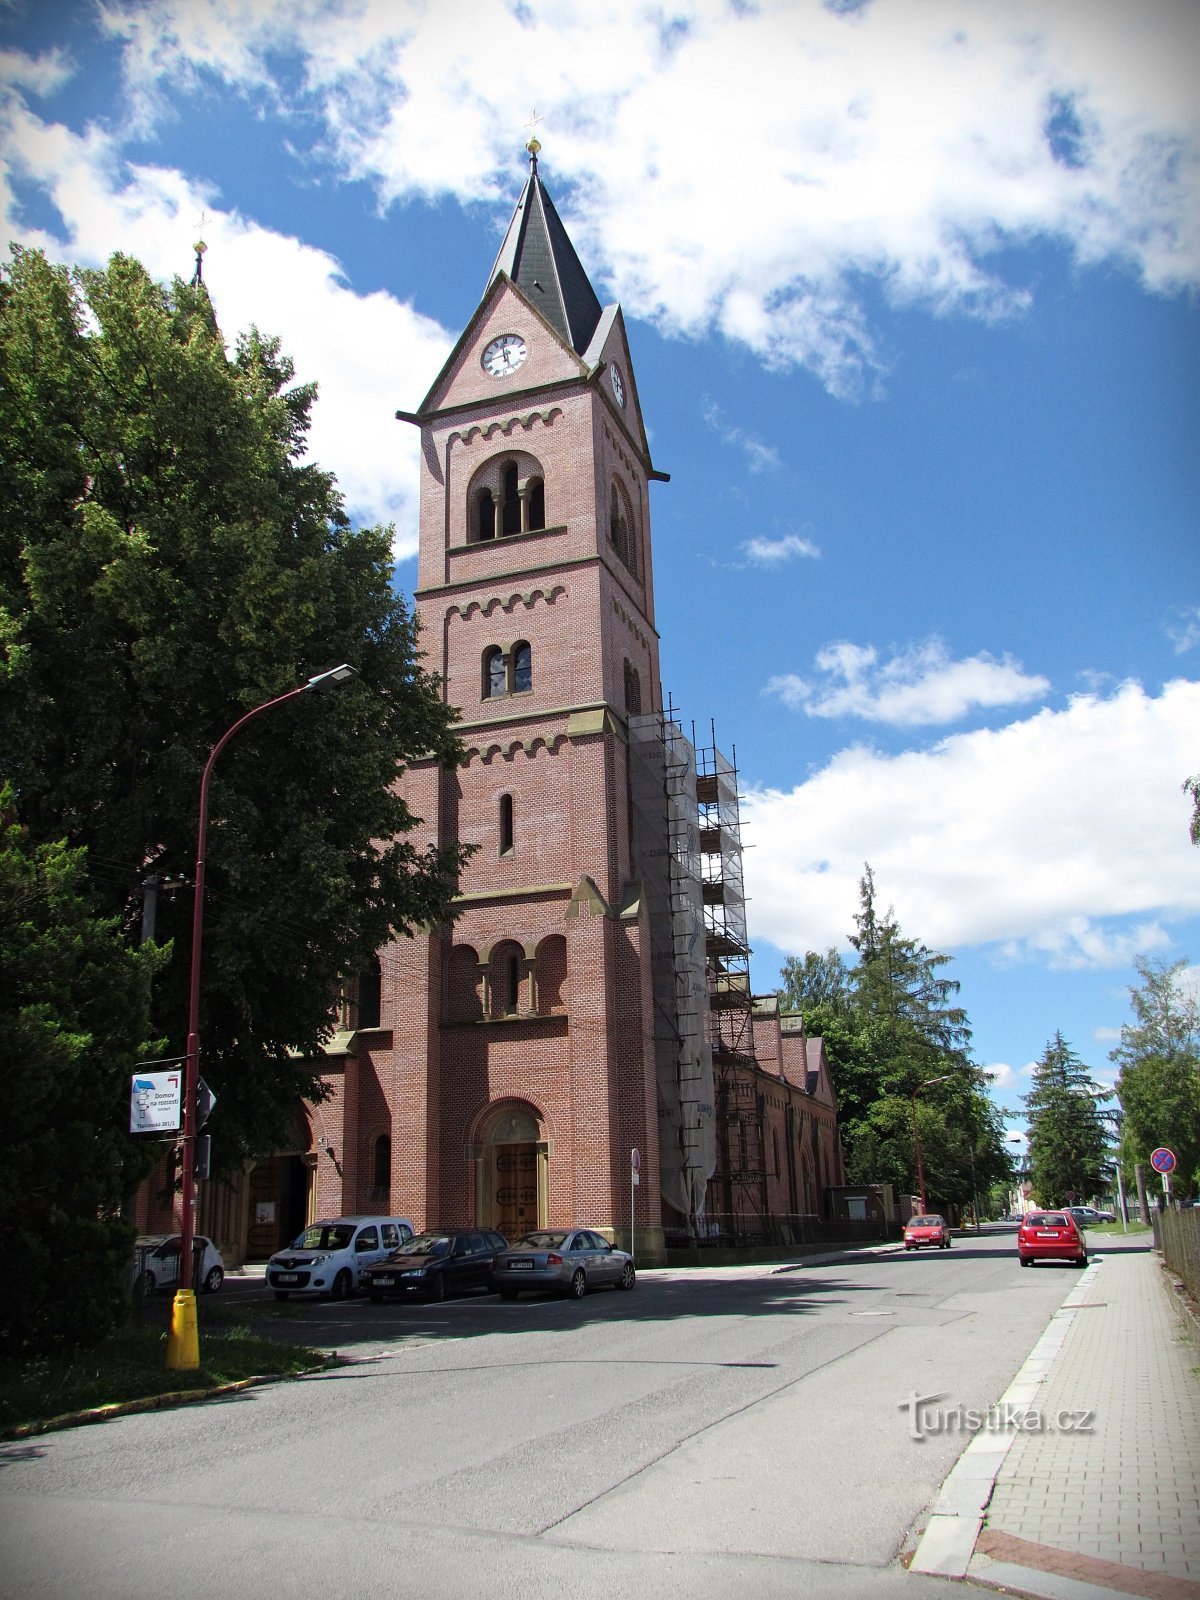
{"x": 1162, "y": 1159}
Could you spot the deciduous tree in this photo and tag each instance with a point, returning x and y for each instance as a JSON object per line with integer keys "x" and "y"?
{"x": 74, "y": 1014}
{"x": 168, "y": 559}
{"x": 1159, "y": 1082}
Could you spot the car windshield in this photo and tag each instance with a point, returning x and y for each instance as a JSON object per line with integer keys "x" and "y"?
{"x": 542, "y": 1241}
{"x": 324, "y": 1236}
{"x": 926, "y": 1222}
{"x": 425, "y": 1244}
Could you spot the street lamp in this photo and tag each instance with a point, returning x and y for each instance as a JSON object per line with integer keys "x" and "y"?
{"x": 945, "y": 1078}
{"x": 183, "y": 1344}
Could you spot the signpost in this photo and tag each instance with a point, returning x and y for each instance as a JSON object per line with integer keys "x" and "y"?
{"x": 1163, "y": 1162}
{"x": 635, "y": 1177}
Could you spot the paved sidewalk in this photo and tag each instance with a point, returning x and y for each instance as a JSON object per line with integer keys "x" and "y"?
{"x": 1106, "y": 1497}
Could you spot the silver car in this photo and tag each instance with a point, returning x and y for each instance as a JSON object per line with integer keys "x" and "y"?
{"x": 156, "y": 1263}
{"x": 563, "y": 1261}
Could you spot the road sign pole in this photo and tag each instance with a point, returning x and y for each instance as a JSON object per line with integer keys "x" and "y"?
{"x": 635, "y": 1177}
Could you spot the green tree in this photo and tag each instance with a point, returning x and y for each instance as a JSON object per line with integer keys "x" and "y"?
{"x": 819, "y": 980}
{"x": 1191, "y": 786}
{"x": 890, "y": 1026}
{"x": 168, "y": 559}
{"x": 74, "y": 1016}
{"x": 1068, "y": 1144}
{"x": 1159, "y": 1081}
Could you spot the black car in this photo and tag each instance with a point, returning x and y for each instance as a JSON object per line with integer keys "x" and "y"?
{"x": 434, "y": 1265}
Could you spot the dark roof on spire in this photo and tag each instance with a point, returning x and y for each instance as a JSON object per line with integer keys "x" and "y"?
{"x": 540, "y": 259}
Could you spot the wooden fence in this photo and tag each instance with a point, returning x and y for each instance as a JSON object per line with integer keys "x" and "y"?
{"x": 1177, "y": 1235}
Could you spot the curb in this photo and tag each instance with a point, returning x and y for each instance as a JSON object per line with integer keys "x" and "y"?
{"x": 158, "y": 1402}
{"x": 948, "y": 1542}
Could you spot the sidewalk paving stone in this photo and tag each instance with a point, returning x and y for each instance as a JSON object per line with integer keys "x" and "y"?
{"x": 1087, "y": 1512}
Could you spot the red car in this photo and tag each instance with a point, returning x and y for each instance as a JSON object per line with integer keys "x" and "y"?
{"x": 1050, "y": 1236}
{"x": 931, "y": 1230}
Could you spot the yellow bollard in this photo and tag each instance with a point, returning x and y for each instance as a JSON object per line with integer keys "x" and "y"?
{"x": 183, "y": 1342}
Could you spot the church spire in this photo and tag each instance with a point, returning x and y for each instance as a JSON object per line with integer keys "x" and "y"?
{"x": 540, "y": 259}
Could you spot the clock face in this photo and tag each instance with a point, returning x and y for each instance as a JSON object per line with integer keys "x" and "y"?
{"x": 504, "y": 355}
{"x": 618, "y": 384}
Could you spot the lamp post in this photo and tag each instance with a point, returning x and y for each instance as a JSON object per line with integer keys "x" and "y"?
{"x": 183, "y": 1343}
{"x": 945, "y": 1078}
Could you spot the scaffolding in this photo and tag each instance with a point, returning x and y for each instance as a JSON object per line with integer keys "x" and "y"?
{"x": 667, "y": 857}
{"x": 740, "y": 1176}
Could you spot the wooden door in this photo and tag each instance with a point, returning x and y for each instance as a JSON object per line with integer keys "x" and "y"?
{"x": 514, "y": 1189}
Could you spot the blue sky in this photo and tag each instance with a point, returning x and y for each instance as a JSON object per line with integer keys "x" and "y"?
{"x": 911, "y": 290}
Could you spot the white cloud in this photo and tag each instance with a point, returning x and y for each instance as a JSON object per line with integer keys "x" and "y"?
{"x": 742, "y": 168}
{"x": 1001, "y": 1077}
{"x": 1184, "y": 630}
{"x": 1061, "y": 837}
{"x": 352, "y": 345}
{"x": 774, "y": 552}
{"x": 918, "y": 687}
{"x": 760, "y": 455}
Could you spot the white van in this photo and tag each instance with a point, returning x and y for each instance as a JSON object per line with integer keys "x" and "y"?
{"x": 329, "y": 1256}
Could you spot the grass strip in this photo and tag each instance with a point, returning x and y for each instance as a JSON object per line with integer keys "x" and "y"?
{"x": 41, "y": 1391}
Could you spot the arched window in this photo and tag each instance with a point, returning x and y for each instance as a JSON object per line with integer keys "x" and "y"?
{"x": 463, "y": 1001}
{"x": 506, "y": 825}
{"x": 494, "y": 673}
{"x": 485, "y": 515}
{"x": 633, "y": 690}
{"x": 522, "y": 667}
{"x": 381, "y": 1186}
{"x": 621, "y": 528}
{"x": 506, "y": 968}
{"x": 510, "y": 505}
{"x": 370, "y": 995}
{"x": 535, "y": 502}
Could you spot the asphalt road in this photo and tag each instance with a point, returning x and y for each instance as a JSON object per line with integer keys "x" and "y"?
{"x": 734, "y": 1432}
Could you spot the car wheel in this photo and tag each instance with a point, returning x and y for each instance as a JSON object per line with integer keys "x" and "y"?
{"x": 578, "y": 1285}
{"x": 343, "y": 1285}
{"x": 281, "y": 1294}
{"x": 437, "y": 1289}
{"x": 1026, "y": 1262}
{"x": 628, "y": 1276}
{"x": 508, "y": 1294}
{"x": 149, "y": 1282}
{"x": 1082, "y": 1262}
{"x": 213, "y": 1280}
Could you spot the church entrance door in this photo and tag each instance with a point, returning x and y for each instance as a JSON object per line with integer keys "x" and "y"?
{"x": 515, "y": 1188}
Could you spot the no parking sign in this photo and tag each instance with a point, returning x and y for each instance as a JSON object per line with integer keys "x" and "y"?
{"x": 1163, "y": 1162}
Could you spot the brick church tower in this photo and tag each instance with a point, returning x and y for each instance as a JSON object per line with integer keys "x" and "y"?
{"x": 515, "y": 1071}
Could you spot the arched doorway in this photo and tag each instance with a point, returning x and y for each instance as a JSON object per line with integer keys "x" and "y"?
{"x": 511, "y": 1170}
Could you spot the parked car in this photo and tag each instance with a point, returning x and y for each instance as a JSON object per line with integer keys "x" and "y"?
{"x": 1051, "y": 1236}
{"x": 930, "y": 1229}
{"x": 431, "y": 1266}
{"x": 329, "y": 1257}
{"x": 1088, "y": 1216}
{"x": 156, "y": 1263}
{"x": 562, "y": 1260}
